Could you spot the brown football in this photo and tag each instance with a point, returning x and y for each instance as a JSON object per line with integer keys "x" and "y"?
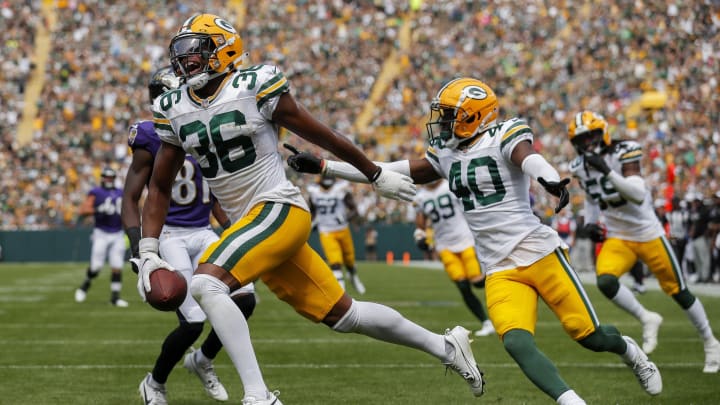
{"x": 167, "y": 290}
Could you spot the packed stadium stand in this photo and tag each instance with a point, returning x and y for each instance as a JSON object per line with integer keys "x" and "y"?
{"x": 75, "y": 75}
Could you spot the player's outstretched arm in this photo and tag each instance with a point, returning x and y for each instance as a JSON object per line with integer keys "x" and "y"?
{"x": 420, "y": 170}
{"x": 534, "y": 165}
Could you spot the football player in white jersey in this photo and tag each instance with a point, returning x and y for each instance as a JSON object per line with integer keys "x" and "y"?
{"x": 185, "y": 236}
{"x": 227, "y": 116}
{"x": 435, "y": 204}
{"x": 332, "y": 207}
{"x": 609, "y": 172}
{"x": 489, "y": 164}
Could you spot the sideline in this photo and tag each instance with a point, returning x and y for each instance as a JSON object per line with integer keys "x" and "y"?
{"x": 709, "y": 290}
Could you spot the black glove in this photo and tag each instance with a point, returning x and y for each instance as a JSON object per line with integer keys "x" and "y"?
{"x": 558, "y": 189}
{"x": 133, "y": 234}
{"x": 422, "y": 245}
{"x": 304, "y": 162}
{"x": 598, "y": 163}
{"x": 595, "y": 232}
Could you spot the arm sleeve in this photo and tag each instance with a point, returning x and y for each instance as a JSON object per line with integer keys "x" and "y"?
{"x": 631, "y": 188}
{"x": 349, "y": 172}
{"x": 535, "y": 166}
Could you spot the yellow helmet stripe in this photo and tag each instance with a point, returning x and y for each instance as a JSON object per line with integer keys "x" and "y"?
{"x": 632, "y": 155}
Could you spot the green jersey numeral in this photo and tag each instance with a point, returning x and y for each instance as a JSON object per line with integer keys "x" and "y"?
{"x": 471, "y": 195}
{"x": 233, "y": 151}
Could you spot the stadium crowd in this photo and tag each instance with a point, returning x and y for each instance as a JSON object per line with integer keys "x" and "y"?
{"x": 651, "y": 67}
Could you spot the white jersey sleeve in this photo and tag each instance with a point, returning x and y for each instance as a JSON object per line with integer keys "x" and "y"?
{"x": 232, "y": 137}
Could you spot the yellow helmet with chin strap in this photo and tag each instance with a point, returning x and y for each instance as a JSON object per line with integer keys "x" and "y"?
{"x": 462, "y": 108}
{"x": 217, "y": 43}
{"x": 588, "y": 132}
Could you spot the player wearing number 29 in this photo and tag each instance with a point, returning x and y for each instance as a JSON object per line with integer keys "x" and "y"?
{"x": 186, "y": 235}
{"x": 227, "y": 116}
{"x": 489, "y": 164}
{"x": 108, "y": 240}
{"x": 609, "y": 172}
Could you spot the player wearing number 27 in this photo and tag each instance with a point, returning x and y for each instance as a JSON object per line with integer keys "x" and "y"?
{"x": 488, "y": 164}
{"x": 227, "y": 116}
{"x": 609, "y": 172}
{"x": 332, "y": 206}
{"x": 108, "y": 241}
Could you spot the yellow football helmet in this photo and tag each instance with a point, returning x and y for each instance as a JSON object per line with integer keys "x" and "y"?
{"x": 462, "y": 108}
{"x": 588, "y": 132}
{"x": 205, "y": 47}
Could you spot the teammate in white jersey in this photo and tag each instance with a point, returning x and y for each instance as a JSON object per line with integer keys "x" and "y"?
{"x": 332, "y": 207}
{"x": 436, "y": 206}
{"x": 227, "y": 116}
{"x": 609, "y": 172}
{"x": 489, "y": 164}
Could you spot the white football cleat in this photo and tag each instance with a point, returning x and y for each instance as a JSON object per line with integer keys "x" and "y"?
{"x": 651, "y": 324}
{"x": 120, "y": 303}
{"x": 712, "y": 356}
{"x": 357, "y": 284}
{"x": 487, "y": 329}
{"x": 80, "y": 295}
{"x": 151, "y": 392}
{"x": 463, "y": 361}
{"x": 645, "y": 370}
{"x": 206, "y": 374}
{"x": 271, "y": 399}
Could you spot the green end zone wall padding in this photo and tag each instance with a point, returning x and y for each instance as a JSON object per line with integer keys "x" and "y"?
{"x": 65, "y": 245}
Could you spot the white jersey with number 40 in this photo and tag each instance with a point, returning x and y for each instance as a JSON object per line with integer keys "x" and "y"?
{"x": 495, "y": 196}
{"x": 232, "y": 137}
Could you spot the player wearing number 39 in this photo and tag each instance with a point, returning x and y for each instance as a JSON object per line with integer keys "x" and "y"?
{"x": 227, "y": 116}
{"x": 108, "y": 240}
{"x": 489, "y": 164}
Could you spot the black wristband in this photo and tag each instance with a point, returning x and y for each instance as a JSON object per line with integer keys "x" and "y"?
{"x": 376, "y": 175}
{"x": 227, "y": 224}
{"x": 133, "y": 233}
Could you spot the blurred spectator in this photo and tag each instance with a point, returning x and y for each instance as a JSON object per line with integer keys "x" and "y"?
{"x": 550, "y": 58}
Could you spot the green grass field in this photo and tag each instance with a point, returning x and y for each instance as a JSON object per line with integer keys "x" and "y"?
{"x": 55, "y": 351}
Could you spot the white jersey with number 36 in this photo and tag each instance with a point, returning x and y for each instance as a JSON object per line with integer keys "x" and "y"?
{"x": 232, "y": 137}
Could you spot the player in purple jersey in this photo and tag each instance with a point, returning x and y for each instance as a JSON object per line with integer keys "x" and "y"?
{"x": 108, "y": 242}
{"x": 186, "y": 234}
